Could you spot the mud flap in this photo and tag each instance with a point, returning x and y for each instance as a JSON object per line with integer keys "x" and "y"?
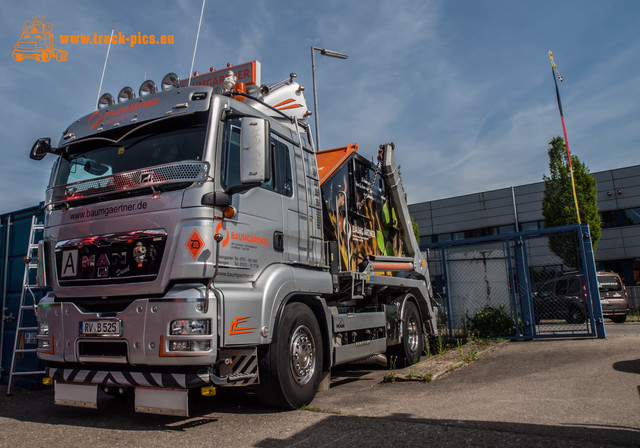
{"x": 162, "y": 401}
{"x": 78, "y": 395}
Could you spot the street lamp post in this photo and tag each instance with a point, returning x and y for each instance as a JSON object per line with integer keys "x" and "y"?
{"x": 331, "y": 54}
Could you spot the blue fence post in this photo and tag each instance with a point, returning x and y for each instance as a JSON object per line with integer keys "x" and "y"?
{"x": 523, "y": 288}
{"x": 591, "y": 280}
{"x": 512, "y": 286}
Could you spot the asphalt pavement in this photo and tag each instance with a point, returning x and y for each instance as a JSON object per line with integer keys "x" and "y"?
{"x": 582, "y": 393}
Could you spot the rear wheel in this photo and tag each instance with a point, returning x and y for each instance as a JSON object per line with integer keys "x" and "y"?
{"x": 290, "y": 367}
{"x": 409, "y": 351}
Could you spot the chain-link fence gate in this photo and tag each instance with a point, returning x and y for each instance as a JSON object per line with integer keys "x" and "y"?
{"x": 525, "y": 285}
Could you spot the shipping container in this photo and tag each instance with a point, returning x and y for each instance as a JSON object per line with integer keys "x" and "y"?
{"x": 15, "y": 228}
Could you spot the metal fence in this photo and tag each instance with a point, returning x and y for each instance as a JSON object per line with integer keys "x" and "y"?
{"x": 634, "y": 297}
{"x": 523, "y": 285}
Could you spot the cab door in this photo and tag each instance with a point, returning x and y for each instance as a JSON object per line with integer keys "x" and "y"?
{"x": 252, "y": 239}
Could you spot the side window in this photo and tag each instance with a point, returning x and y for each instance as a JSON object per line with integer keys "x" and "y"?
{"x": 230, "y": 162}
{"x": 575, "y": 287}
{"x": 281, "y": 180}
{"x": 546, "y": 290}
{"x": 561, "y": 287}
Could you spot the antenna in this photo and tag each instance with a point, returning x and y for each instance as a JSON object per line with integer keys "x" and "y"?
{"x": 196, "y": 45}
{"x": 105, "y": 66}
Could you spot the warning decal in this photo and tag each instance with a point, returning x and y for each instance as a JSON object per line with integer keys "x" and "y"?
{"x": 195, "y": 244}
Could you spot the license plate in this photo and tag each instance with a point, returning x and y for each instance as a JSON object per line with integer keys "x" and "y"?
{"x": 100, "y": 328}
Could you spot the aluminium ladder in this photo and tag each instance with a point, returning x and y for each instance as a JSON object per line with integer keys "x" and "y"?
{"x": 27, "y": 289}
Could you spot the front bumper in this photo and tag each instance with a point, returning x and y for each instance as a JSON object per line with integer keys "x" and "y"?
{"x": 239, "y": 368}
{"x": 144, "y": 339}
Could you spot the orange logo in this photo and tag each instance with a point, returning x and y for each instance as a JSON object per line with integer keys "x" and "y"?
{"x": 195, "y": 244}
{"x": 225, "y": 241}
{"x": 37, "y": 42}
{"x": 237, "y": 329}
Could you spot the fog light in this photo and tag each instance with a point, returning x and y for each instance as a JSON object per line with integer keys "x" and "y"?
{"x": 179, "y": 346}
{"x": 189, "y": 346}
{"x": 200, "y": 346}
{"x": 44, "y": 345}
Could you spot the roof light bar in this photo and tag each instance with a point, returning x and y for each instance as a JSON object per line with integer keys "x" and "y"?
{"x": 126, "y": 94}
{"x": 106, "y": 100}
{"x": 170, "y": 81}
{"x": 147, "y": 88}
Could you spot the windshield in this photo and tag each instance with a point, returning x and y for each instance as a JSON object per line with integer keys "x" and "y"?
{"x": 168, "y": 141}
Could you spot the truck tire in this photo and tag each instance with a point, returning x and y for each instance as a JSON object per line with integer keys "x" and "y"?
{"x": 409, "y": 351}
{"x": 290, "y": 367}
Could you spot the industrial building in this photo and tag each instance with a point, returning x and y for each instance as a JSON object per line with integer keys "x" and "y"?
{"x": 519, "y": 208}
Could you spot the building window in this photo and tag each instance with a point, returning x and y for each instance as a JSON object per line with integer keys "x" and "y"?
{"x": 506, "y": 229}
{"x": 631, "y": 216}
{"x": 608, "y": 219}
{"x": 533, "y": 225}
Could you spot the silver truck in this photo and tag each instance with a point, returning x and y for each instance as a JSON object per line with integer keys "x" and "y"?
{"x": 194, "y": 239}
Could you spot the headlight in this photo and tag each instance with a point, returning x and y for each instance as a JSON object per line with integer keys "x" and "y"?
{"x": 190, "y": 326}
{"x": 43, "y": 328}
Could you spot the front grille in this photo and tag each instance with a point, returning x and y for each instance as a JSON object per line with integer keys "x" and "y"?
{"x": 110, "y": 259}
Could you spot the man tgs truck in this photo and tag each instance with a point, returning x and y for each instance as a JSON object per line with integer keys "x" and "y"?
{"x": 194, "y": 238}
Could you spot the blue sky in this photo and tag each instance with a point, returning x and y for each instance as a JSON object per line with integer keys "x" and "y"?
{"x": 463, "y": 87}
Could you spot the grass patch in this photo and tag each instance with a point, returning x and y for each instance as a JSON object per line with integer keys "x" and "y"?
{"x": 306, "y": 407}
{"x": 633, "y": 316}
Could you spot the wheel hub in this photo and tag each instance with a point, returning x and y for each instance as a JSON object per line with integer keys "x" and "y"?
{"x": 413, "y": 336}
{"x": 302, "y": 355}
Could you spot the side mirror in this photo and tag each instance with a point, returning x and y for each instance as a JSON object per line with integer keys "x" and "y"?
{"x": 254, "y": 151}
{"x": 40, "y": 148}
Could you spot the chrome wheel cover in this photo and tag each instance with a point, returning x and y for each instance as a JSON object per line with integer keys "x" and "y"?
{"x": 413, "y": 335}
{"x": 302, "y": 355}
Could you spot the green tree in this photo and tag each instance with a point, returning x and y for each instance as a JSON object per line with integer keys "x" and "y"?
{"x": 558, "y": 205}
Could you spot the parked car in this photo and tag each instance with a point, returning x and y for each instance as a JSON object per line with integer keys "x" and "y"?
{"x": 564, "y": 297}
{"x": 613, "y": 296}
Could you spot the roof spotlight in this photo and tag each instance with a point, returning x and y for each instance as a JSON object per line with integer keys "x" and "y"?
{"x": 170, "y": 81}
{"x": 147, "y": 88}
{"x": 126, "y": 94}
{"x": 106, "y": 100}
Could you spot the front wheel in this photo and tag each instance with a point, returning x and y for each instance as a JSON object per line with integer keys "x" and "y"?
{"x": 290, "y": 367}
